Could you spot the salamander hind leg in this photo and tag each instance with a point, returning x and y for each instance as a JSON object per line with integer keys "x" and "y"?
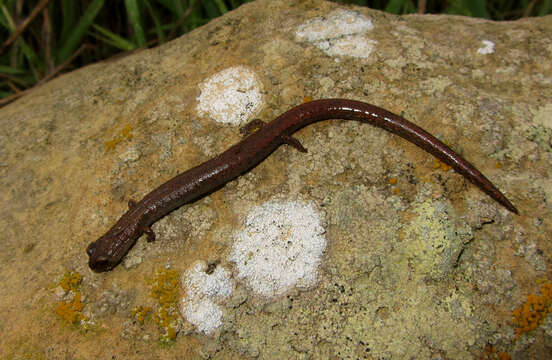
{"x": 256, "y": 124}
{"x": 149, "y": 233}
{"x": 294, "y": 142}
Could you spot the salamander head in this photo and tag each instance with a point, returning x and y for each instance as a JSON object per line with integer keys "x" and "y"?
{"x": 108, "y": 251}
{"x": 98, "y": 260}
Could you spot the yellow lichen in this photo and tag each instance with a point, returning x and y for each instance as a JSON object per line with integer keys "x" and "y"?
{"x": 529, "y": 315}
{"x": 140, "y": 313}
{"x": 165, "y": 289}
{"x": 125, "y": 133}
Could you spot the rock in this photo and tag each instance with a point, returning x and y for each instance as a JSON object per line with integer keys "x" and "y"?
{"x": 75, "y": 150}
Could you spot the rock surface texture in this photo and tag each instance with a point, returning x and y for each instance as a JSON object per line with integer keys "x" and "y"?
{"x": 368, "y": 247}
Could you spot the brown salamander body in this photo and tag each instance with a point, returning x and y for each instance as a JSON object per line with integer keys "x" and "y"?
{"x": 106, "y": 252}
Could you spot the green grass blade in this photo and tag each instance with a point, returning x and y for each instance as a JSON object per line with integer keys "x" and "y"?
{"x": 477, "y": 8}
{"x": 210, "y": 8}
{"x": 34, "y": 61}
{"x": 394, "y": 6}
{"x": 6, "y": 19}
{"x": 400, "y": 7}
{"x": 157, "y": 23}
{"x": 70, "y": 14}
{"x": 10, "y": 70}
{"x": 4, "y": 94}
{"x": 175, "y": 6}
{"x": 133, "y": 13}
{"x": 75, "y": 38}
{"x": 113, "y": 39}
{"x": 221, "y": 6}
{"x": 196, "y": 17}
{"x": 545, "y": 8}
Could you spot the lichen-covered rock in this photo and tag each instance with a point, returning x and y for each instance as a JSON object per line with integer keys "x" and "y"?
{"x": 417, "y": 263}
{"x": 432, "y": 241}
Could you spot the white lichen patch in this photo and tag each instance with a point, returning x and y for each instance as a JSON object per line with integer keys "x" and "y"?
{"x": 341, "y": 33}
{"x": 231, "y": 96}
{"x": 202, "y": 290}
{"x": 487, "y": 48}
{"x": 204, "y": 314}
{"x": 280, "y": 247}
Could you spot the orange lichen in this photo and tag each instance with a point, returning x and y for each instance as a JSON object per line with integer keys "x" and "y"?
{"x": 71, "y": 311}
{"x": 393, "y": 181}
{"x": 528, "y": 316}
{"x": 125, "y": 133}
{"x": 491, "y": 353}
{"x": 165, "y": 289}
{"x": 439, "y": 164}
{"x": 70, "y": 281}
{"x": 110, "y": 145}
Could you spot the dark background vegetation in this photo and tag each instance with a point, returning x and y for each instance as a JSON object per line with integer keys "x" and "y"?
{"x": 40, "y": 39}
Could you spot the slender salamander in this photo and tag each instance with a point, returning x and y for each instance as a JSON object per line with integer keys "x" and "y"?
{"x": 106, "y": 252}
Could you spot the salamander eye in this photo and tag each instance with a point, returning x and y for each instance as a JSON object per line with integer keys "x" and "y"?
{"x": 91, "y": 249}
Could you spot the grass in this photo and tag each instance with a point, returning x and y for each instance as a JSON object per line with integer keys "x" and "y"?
{"x": 39, "y": 39}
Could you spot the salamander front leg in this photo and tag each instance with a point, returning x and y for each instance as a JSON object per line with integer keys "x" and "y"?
{"x": 252, "y": 127}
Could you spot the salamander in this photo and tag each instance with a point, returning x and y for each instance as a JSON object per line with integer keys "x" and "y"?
{"x": 106, "y": 252}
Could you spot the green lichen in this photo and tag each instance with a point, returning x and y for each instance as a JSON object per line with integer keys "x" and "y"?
{"x": 540, "y": 131}
{"x": 432, "y": 241}
{"x": 540, "y": 135}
